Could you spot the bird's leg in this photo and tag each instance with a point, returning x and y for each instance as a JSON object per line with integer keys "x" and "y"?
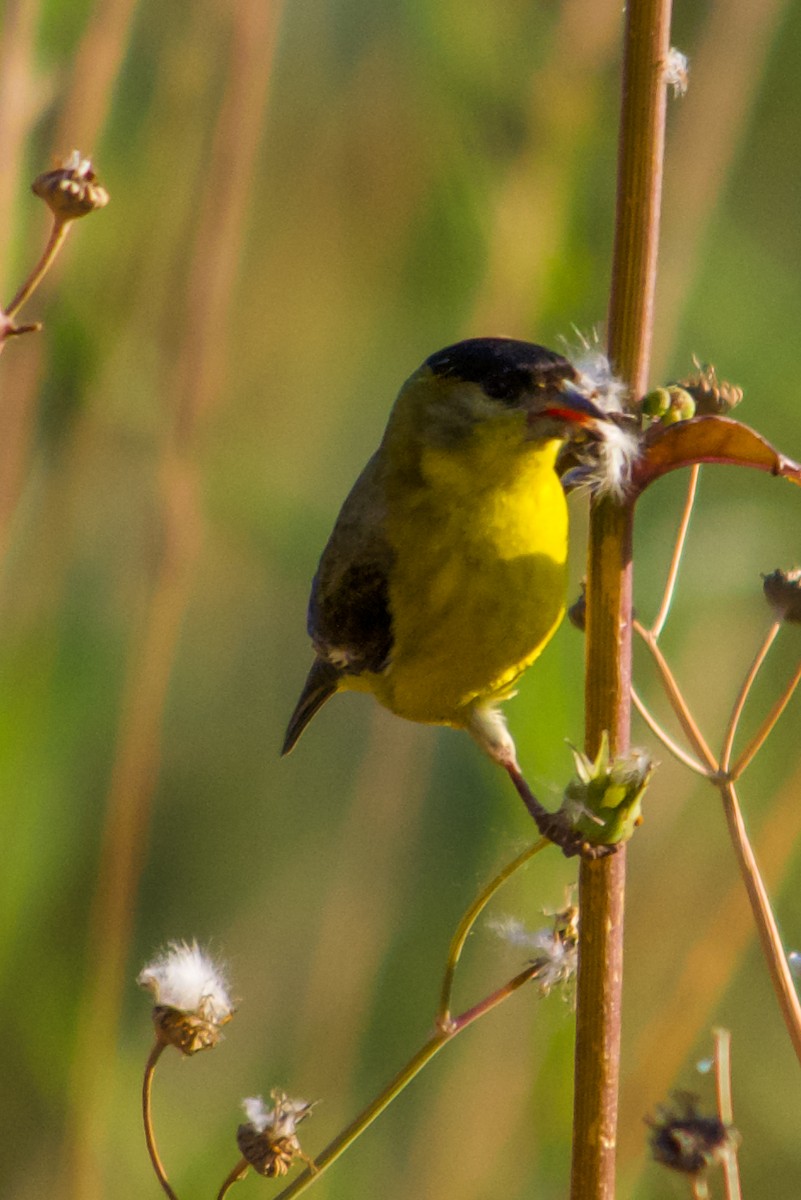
{"x": 488, "y": 726}
{"x": 557, "y": 827}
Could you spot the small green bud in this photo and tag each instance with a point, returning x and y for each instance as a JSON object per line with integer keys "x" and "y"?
{"x": 669, "y": 404}
{"x": 604, "y": 801}
{"x": 682, "y": 405}
{"x": 656, "y": 403}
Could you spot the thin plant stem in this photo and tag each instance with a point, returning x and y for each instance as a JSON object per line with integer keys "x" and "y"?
{"x": 723, "y": 1075}
{"x": 739, "y": 704}
{"x": 731, "y": 1169}
{"x": 147, "y": 1119}
{"x": 677, "y": 701}
{"x": 443, "y": 1018}
{"x": 700, "y": 1188}
{"x": 666, "y": 739}
{"x": 424, "y": 1055}
{"x": 348, "y": 1135}
{"x": 58, "y": 234}
{"x": 678, "y": 550}
{"x": 495, "y": 998}
{"x": 731, "y": 1175}
{"x": 763, "y": 916}
{"x": 761, "y": 736}
{"x": 239, "y": 1172}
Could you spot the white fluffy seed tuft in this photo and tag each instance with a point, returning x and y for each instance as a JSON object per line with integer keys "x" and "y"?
{"x": 280, "y": 1121}
{"x": 185, "y": 978}
{"x": 555, "y": 950}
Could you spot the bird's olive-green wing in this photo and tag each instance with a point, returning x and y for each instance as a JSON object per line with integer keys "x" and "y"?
{"x": 349, "y": 617}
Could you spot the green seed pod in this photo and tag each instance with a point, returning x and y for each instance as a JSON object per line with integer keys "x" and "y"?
{"x": 656, "y": 403}
{"x": 681, "y": 406}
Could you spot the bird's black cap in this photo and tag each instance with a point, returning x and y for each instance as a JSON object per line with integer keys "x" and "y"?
{"x": 504, "y": 367}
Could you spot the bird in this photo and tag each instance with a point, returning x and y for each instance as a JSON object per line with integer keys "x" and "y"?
{"x": 445, "y": 574}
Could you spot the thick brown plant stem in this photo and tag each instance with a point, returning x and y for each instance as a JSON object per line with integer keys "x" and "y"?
{"x": 608, "y": 681}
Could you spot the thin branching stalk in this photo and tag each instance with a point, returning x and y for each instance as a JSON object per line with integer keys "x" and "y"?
{"x": 239, "y": 1172}
{"x": 723, "y": 1075}
{"x": 763, "y": 915}
{"x": 703, "y": 968}
{"x": 443, "y": 1019}
{"x": 424, "y": 1055}
{"x": 608, "y": 647}
{"x": 677, "y": 701}
{"x": 447, "y": 1028}
{"x": 739, "y": 704}
{"x": 764, "y": 731}
{"x": 147, "y": 1119}
{"x": 666, "y": 739}
{"x": 678, "y": 550}
{"x": 731, "y": 1169}
{"x": 55, "y": 241}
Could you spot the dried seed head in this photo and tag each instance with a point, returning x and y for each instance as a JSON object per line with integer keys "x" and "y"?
{"x": 191, "y": 996}
{"x": 712, "y": 396}
{"x": 71, "y": 190}
{"x": 685, "y": 1140}
{"x": 783, "y": 593}
{"x": 268, "y": 1140}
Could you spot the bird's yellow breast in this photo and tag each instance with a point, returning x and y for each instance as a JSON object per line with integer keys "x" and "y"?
{"x": 478, "y": 579}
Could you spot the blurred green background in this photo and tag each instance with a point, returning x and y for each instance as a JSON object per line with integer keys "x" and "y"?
{"x": 307, "y": 199}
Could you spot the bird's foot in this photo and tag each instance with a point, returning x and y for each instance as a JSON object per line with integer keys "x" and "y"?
{"x": 557, "y": 827}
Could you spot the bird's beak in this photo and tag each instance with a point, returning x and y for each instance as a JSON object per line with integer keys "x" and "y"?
{"x": 576, "y": 407}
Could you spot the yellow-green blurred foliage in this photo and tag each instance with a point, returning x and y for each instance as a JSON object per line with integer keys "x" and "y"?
{"x": 306, "y": 200}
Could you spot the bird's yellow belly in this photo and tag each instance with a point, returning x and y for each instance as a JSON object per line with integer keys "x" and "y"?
{"x": 474, "y": 610}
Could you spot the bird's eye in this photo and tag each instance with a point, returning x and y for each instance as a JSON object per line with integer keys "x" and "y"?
{"x": 508, "y": 385}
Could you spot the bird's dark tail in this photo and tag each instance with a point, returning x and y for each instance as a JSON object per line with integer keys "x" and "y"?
{"x": 321, "y": 683}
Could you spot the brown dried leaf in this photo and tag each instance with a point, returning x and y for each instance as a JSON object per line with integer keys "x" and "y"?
{"x": 709, "y": 439}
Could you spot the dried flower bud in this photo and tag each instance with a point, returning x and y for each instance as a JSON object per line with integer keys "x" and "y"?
{"x": 685, "y": 1140}
{"x": 783, "y": 593}
{"x": 268, "y": 1140}
{"x": 712, "y": 396}
{"x": 191, "y": 997}
{"x": 71, "y": 190}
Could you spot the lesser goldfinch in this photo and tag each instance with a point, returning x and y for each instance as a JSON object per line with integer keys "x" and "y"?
{"x": 444, "y": 576}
